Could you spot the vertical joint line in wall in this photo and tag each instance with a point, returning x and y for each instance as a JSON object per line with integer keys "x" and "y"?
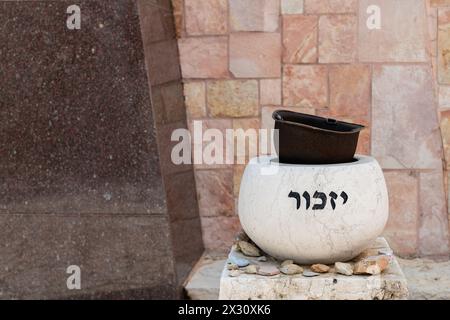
{"x": 318, "y": 38}
{"x": 259, "y": 98}
{"x": 434, "y": 66}
{"x": 419, "y": 213}
{"x": 230, "y": 75}
{"x": 371, "y": 108}
{"x": 183, "y": 19}
{"x": 436, "y": 48}
{"x": 328, "y": 87}
{"x": 357, "y": 30}
{"x": 208, "y": 114}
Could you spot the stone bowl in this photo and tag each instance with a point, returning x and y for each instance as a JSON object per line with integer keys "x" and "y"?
{"x": 313, "y": 213}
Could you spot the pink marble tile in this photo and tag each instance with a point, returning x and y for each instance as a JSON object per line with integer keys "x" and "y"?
{"x": 204, "y": 57}
{"x": 246, "y": 139}
{"x": 445, "y": 132}
{"x": 255, "y": 55}
{"x": 195, "y": 99}
{"x": 350, "y": 90}
{"x": 364, "y": 141}
{"x": 206, "y": 17}
{"x": 444, "y": 97}
{"x": 219, "y": 233}
{"x": 402, "y": 36}
{"x": 270, "y": 92}
{"x": 405, "y": 127}
{"x": 238, "y": 171}
{"x": 403, "y": 224}
{"x": 300, "y": 39}
{"x": 444, "y": 46}
{"x": 208, "y": 147}
{"x": 440, "y": 3}
{"x": 246, "y": 142}
{"x": 178, "y": 15}
{"x": 215, "y": 192}
{"x": 254, "y": 15}
{"x": 337, "y": 38}
{"x": 291, "y": 6}
{"x": 331, "y": 6}
{"x": 305, "y": 86}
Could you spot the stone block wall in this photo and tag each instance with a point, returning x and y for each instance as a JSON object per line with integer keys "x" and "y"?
{"x": 243, "y": 59}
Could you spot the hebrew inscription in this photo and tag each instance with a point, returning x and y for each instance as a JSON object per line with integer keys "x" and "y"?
{"x": 320, "y": 199}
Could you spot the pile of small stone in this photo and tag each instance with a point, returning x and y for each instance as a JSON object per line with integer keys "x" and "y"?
{"x": 238, "y": 260}
{"x": 246, "y": 257}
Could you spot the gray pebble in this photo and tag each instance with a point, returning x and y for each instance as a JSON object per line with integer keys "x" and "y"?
{"x": 239, "y": 261}
{"x": 310, "y": 274}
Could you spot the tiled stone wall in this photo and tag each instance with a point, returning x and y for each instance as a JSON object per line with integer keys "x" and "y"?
{"x": 242, "y": 59}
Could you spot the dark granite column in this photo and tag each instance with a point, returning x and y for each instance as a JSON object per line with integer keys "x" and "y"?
{"x": 85, "y": 171}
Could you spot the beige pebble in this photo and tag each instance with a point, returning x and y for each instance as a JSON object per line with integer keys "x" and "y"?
{"x": 250, "y": 269}
{"x": 249, "y": 249}
{"x": 291, "y": 269}
{"x": 287, "y": 262}
{"x": 343, "y": 268}
{"x": 320, "y": 268}
{"x": 372, "y": 265}
{"x": 268, "y": 270}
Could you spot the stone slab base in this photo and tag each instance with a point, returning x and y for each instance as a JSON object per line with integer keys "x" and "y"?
{"x": 390, "y": 285}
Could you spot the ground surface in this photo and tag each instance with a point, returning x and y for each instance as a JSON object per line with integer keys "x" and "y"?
{"x": 427, "y": 279}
